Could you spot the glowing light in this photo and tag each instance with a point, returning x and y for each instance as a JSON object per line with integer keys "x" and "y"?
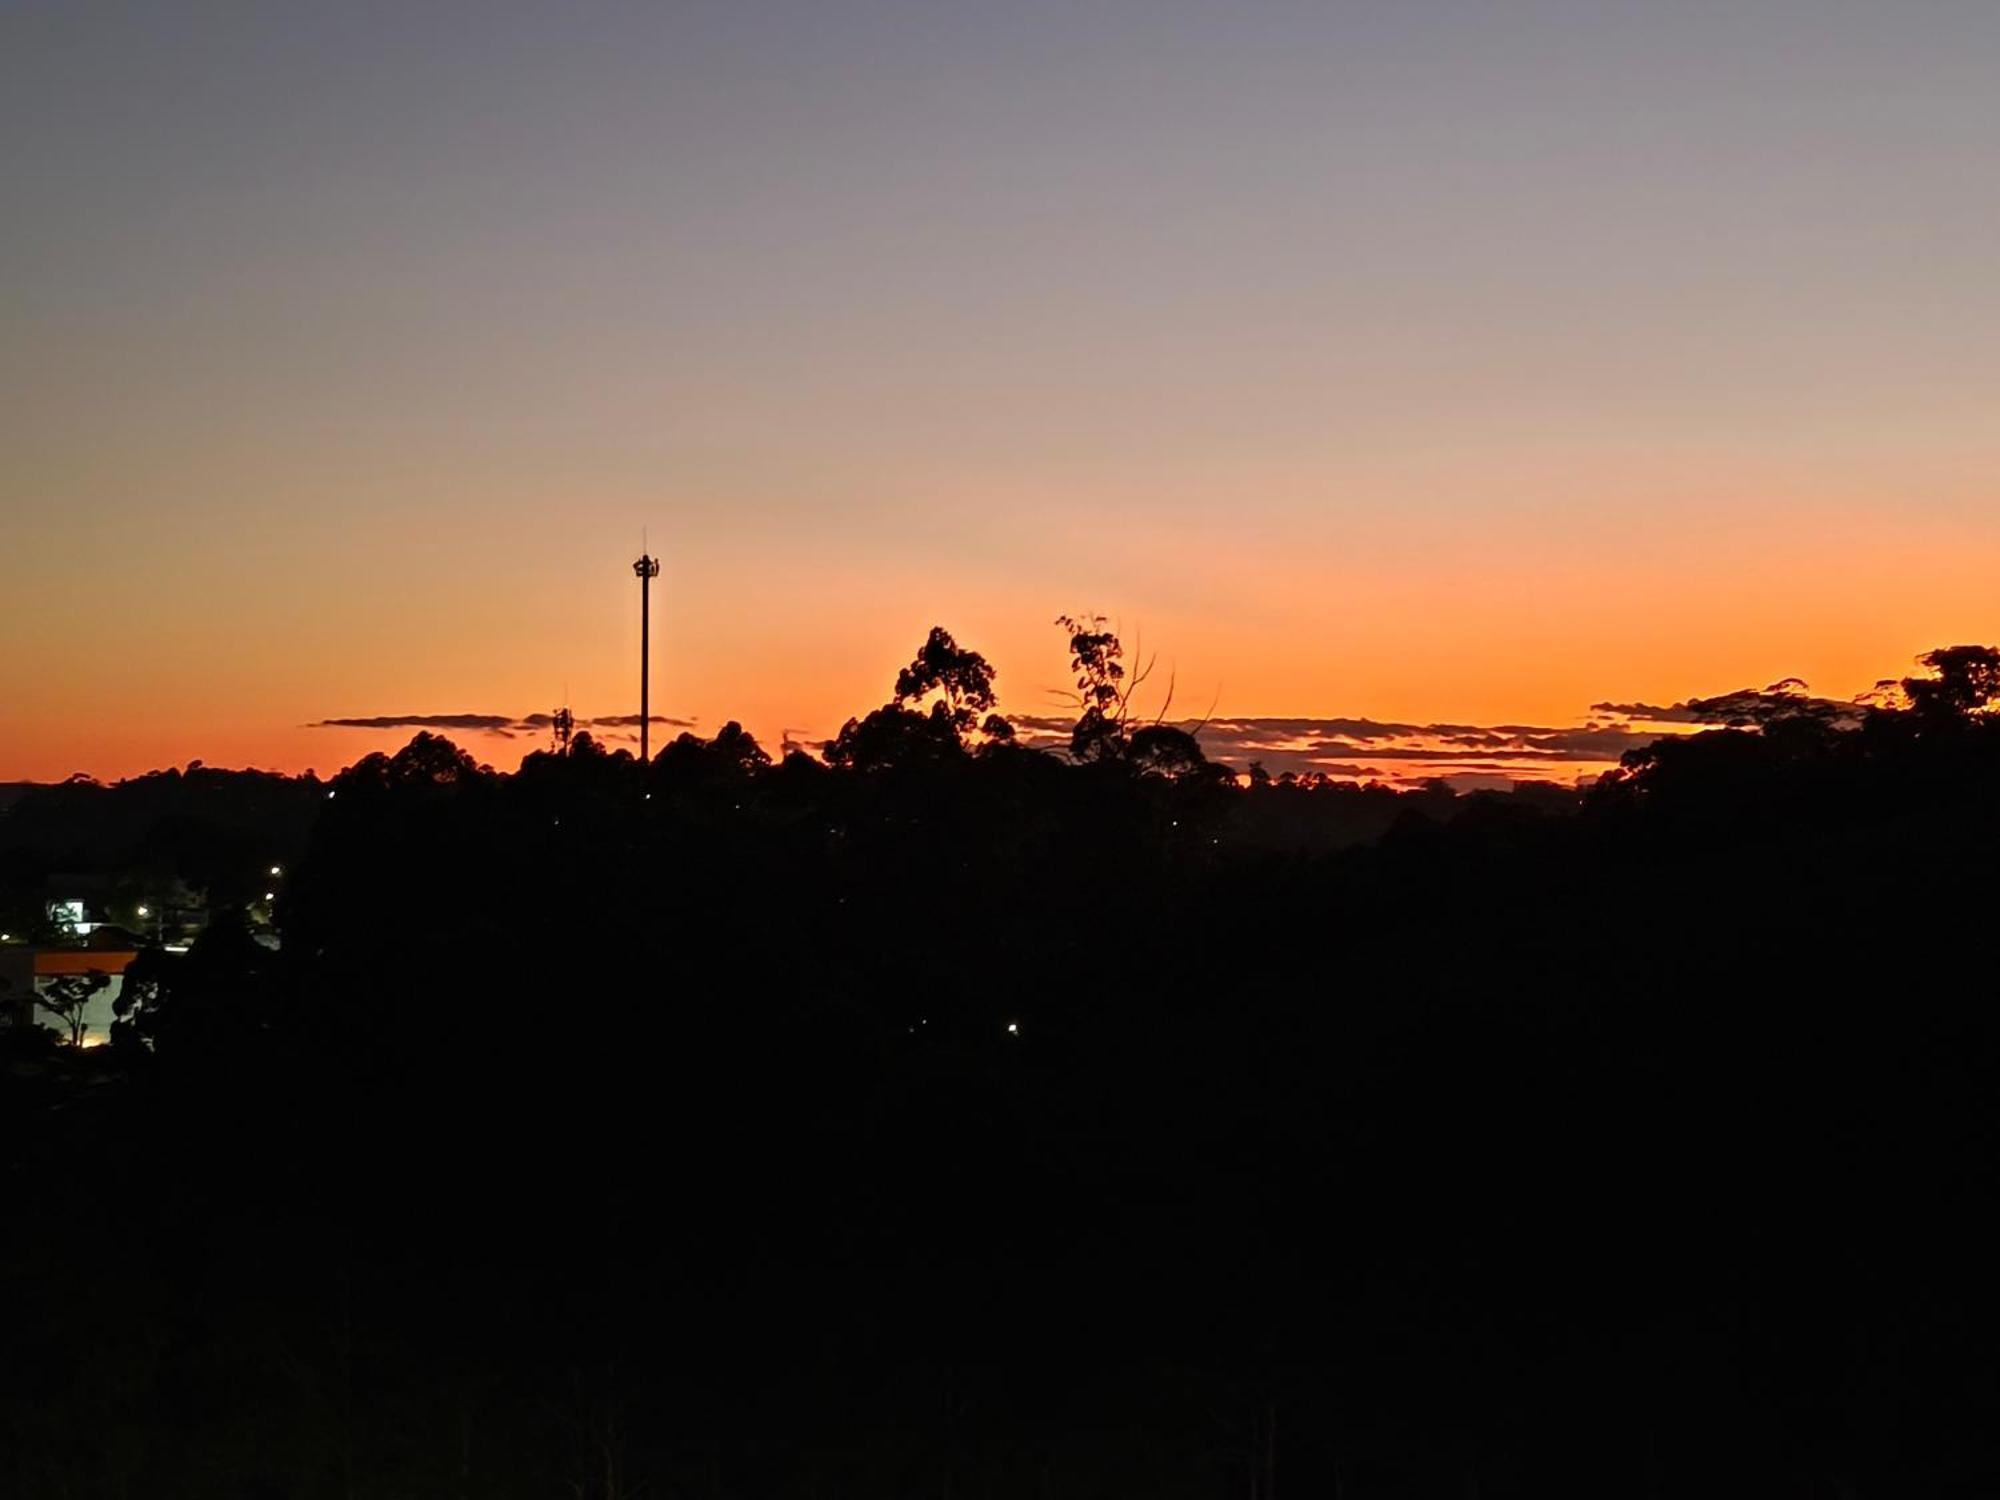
{"x": 270, "y": 895}
{"x": 1013, "y": 1028}
{"x": 277, "y": 870}
{"x": 145, "y": 911}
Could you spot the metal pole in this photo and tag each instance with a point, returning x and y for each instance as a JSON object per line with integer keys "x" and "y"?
{"x": 645, "y": 665}
{"x": 648, "y": 568}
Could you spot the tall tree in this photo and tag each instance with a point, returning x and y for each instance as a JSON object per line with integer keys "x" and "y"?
{"x": 961, "y": 678}
{"x": 958, "y": 684}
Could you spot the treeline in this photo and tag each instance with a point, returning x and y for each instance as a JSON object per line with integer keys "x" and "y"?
{"x": 956, "y": 1119}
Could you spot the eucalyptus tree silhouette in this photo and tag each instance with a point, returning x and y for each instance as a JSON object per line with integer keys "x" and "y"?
{"x": 1166, "y": 750}
{"x": 428, "y": 760}
{"x": 1785, "y": 702}
{"x": 1096, "y": 656}
{"x": 1103, "y": 696}
{"x": 962, "y": 679}
{"x": 957, "y": 682}
{"x": 1964, "y": 680}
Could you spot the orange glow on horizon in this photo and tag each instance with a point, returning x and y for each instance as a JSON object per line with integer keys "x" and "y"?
{"x": 1482, "y": 633}
{"x": 1367, "y": 361}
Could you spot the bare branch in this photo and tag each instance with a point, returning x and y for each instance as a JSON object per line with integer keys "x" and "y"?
{"x": 1138, "y": 681}
{"x": 1202, "y": 723}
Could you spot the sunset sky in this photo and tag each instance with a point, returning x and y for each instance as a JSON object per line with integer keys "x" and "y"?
{"x": 1423, "y": 362}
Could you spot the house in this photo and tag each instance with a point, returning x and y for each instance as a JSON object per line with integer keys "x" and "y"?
{"x": 27, "y": 971}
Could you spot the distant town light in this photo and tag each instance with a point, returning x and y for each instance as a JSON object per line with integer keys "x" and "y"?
{"x": 277, "y": 869}
{"x": 270, "y": 895}
{"x": 1013, "y": 1028}
{"x": 145, "y": 911}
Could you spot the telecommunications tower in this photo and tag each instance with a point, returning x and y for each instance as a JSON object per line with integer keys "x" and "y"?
{"x": 648, "y": 568}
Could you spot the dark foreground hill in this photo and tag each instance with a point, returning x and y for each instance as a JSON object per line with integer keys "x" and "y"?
{"x": 983, "y": 1125}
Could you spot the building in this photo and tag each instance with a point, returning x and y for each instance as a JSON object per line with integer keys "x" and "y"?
{"x": 26, "y": 972}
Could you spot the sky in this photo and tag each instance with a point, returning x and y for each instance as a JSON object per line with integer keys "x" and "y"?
{"x": 1419, "y": 363}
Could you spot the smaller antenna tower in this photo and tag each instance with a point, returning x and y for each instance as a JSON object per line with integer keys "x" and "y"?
{"x": 562, "y": 725}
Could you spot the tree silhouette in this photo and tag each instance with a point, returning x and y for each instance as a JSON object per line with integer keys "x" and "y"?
{"x": 893, "y": 735}
{"x": 1786, "y": 701}
{"x": 736, "y": 746}
{"x": 962, "y": 679}
{"x": 1164, "y": 750}
{"x": 733, "y": 751}
{"x": 957, "y": 681}
{"x": 1964, "y": 680}
{"x": 68, "y": 997}
{"x": 1104, "y": 693}
{"x": 427, "y": 761}
{"x": 577, "y": 1101}
{"x": 1097, "y": 659}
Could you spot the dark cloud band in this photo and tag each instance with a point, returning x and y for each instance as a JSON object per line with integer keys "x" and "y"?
{"x": 505, "y": 725}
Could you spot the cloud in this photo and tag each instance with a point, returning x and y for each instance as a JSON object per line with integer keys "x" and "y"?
{"x": 478, "y": 723}
{"x": 631, "y": 721}
{"x": 1050, "y": 724}
{"x": 1341, "y": 746}
{"x": 1397, "y": 750}
{"x": 1652, "y": 713}
{"x": 1743, "y": 706}
{"x": 501, "y": 726}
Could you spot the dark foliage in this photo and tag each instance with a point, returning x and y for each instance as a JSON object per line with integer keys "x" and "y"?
{"x": 984, "y": 1124}
{"x": 211, "y": 830}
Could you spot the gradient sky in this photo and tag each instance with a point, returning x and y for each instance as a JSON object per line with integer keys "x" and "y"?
{"x": 1430, "y": 361}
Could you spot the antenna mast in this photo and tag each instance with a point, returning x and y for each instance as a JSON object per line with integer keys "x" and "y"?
{"x": 648, "y": 568}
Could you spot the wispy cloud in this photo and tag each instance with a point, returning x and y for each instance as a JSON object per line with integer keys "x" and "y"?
{"x": 1658, "y": 713}
{"x": 1399, "y": 751}
{"x": 474, "y": 723}
{"x": 627, "y": 721}
{"x": 1339, "y": 746}
{"x": 502, "y": 726}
